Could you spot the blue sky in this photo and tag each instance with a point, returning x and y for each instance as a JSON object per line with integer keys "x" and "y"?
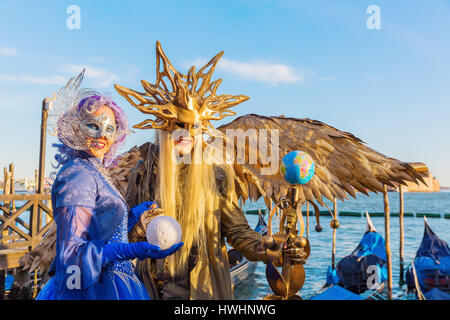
{"x": 315, "y": 59}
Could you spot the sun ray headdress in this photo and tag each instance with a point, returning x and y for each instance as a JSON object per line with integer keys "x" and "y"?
{"x": 176, "y": 97}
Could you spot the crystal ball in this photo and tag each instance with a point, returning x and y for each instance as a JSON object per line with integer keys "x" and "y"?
{"x": 163, "y": 231}
{"x": 297, "y": 167}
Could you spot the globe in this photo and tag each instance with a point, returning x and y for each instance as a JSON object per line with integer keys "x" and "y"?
{"x": 163, "y": 231}
{"x": 297, "y": 167}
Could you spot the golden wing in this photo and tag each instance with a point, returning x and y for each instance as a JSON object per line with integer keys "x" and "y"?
{"x": 120, "y": 171}
{"x": 39, "y": 259}
{"x": 343, "y": 162}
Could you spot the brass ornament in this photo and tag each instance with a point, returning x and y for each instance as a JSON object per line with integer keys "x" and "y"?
{"x": 176, "y": 97}
{"x": 335, "y": 224}
{"x": 279, "y": 246}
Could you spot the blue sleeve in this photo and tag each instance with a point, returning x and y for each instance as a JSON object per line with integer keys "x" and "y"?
{"x": 132, "y": 220}
{"x": 74, "y": 192}
{"x": 75, "y": 186}
{"x": 78, "y": 259}
{"x": 134, "y": 214}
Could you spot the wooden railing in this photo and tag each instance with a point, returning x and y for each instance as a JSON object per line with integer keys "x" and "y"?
{"x": 22, "y": 228}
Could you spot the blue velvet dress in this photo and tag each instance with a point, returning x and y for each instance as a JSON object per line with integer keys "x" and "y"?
{"x": 89, "y": 212}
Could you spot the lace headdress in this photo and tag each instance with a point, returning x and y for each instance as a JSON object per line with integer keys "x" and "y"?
{"x": 71, "y": 105}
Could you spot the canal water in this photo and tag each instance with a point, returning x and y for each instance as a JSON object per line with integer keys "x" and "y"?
{"x": 348, "y": 236}
{"x": 350, "y": 233}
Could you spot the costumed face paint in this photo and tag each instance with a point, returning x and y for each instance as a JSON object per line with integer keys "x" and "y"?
{"x": 184, "y": 144}
{"x": 100, "y": 129}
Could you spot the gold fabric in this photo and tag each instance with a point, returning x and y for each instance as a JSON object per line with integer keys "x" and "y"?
{"x": 210, "y": 277}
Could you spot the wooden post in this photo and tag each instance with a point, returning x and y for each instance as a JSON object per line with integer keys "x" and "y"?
{"x": 34, "y": 222}
{"x": 6, "y": 185}
{"x": 37, "y": 221}
{"x": 402, "y": 230}
{"x": 387, "y": 243}
{"x": 44, "y": 116}
{"x": 6, "y": 189}
{"x": 333, "y": 253}
{"x": 271, "y": 205}
{"x": 36, "y": 179}
{"x": 307, "y": 220}
{"x": 13, "y": 187}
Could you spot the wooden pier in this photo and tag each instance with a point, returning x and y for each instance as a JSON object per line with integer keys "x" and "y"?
{"x": 24, "y": 218}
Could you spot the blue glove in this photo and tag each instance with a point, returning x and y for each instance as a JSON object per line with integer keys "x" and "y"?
{"x": 167, "y": 252}
{"x": 136, "y": 212}
{"x": 114, "y": 252}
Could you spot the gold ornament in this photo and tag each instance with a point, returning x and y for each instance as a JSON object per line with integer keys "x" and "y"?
{"x": 287, "y": 250}
{"x": 176, "y": 97}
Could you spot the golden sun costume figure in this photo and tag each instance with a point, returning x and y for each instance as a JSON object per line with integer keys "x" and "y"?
{"x": 199, "y": 195}
{"x": 186, "y": 173}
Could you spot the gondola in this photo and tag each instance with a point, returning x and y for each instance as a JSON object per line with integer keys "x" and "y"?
{"x": 240, "y": 267}
{"x": 428, "y": 277}
{"x": 361, "y": 275}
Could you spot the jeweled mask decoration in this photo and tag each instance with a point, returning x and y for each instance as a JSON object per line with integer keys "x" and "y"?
{"x": 178, "y": 98}
{"x": 96, "y": 127}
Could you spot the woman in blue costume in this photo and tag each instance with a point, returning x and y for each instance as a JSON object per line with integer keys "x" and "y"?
{"x": 93, "y": 256}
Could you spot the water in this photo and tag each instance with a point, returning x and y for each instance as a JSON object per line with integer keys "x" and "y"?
{"x": 350, "y": 233}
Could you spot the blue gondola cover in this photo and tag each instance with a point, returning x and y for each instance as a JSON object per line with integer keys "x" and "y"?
{"x": 371, "y": 243}
{"x": 353, "y": 272}
{"x": 436, "y": 294}
{"x": 432, "y": 264}
{"x": 332, "y": 277}
{"x": 336, "y": 293}
{"x": 432, "y": 246}
{"x": 9, "y": 279}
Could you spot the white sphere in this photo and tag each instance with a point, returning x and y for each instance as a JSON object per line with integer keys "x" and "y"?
{"x": 163, "y": 231}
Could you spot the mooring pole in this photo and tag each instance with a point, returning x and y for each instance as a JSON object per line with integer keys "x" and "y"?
{"x": 13, "y": 187}
{"x": 402, "y": 231}
{"x": 36, "y": 213}
{"x": 36, "y": 179}
{"x": 44, "y": 116}
{"x": 307, "y": 220}
{"x": 387, "y": 243}
{"x": 7, "y": 186}
{"x": 6, "y": 190}
{"x": 333, "y": 252}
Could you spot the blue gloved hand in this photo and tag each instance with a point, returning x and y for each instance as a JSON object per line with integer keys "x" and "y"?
{"x": 168, "y": 251}
{"x": 114, "y": 252}
{"x": 136, "y": 212}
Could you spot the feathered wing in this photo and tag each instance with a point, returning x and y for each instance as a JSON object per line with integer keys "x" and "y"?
{"x": 120, "y": 170}
{"x": 344, "y": 164}
{"x": 39, "y": 259}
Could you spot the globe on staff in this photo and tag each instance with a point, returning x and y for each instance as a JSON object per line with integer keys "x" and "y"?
{"x": 297, "y": 167}
{"x": 163, "y": 231}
